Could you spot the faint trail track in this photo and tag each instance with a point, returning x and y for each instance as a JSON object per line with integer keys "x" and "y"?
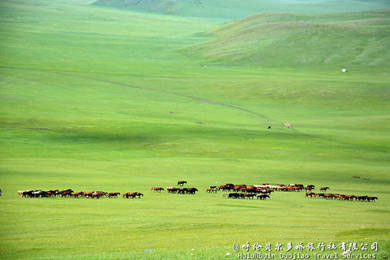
{"x": 203, "y": 100}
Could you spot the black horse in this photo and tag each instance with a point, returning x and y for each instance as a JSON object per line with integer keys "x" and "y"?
{"x": 262, "y": 196}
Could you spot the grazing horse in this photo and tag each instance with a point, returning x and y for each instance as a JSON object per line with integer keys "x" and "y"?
{"x": 76, "y": 194}
{"x": 65, "y": 193}
{"x": 310, "y": 194}
{"x": 309, "y": 187}
{"x": 129, "y": 195}
{"x": 181, "y": 183}
{"x": 234, "y": 195}
{"x": 239, "y": 187}
{"x": 371, "y": 198}
{"x": 52, "y": 193}
{"x": 159, "y": 189}
{"x": 191, "y": 190}
{"x": 227, "y": 187}
{"x": 40, "y": 194}
{"x": 212, "y": 189}
{"x": 28, "y": 193}
{"x": 113, "y": 194}
{"x": 249, "y": 195}
{"x": 181, "y": 190}
{"x": 250, "y": 189}
{"x": 329, "y": 196}
{"x": 349, "y": 197}
{"x": 88, "y": 194}
{"x": 262, "y": 196}
{"x": 324, "y": 188}
{"x": 98, "y": 194}
{"x": 362, "y": 198}
{"x": 172, "y": 189}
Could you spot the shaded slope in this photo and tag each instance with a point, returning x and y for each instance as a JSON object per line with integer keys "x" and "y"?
{"x": 234, "y": 9}
{"x": 288, "y": 39}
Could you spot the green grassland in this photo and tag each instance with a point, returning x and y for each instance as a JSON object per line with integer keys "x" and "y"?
{"x": 95, "y": 98}
{"x": 233, "y": 9}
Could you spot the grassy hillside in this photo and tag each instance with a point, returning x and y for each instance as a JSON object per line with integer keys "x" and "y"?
{"x": 95, "y": 98}
{"x": 348, "y": 39}
{"x": 233, "y": 9}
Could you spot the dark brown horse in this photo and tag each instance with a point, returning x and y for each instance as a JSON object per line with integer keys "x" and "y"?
{"x": 132, "y": 195}
{"x": 226, "y": 187}
{"x": 181, "y": 183}
{"x": 249, "y": 195}
{"x": 159, "y": 189}
{"x": 113, "y": 194}
{"x": 262, "y": 196}
{"x": 172, "y": 189}
{"x": 129, "y": 195}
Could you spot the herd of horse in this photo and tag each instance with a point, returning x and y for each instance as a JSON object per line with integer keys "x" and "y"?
{"x": 240, "y": 191}
{"x": 236, "y": 195}
{"x": 340, "y": 196}
{"x": 69, "y": 193}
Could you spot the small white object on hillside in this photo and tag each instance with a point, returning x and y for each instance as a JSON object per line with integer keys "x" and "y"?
{"x": 344, "y": 70}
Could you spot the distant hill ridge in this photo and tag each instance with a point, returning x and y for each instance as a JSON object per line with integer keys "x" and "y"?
{"x": 358, "y": 38}
{"x": 234, "y": 9}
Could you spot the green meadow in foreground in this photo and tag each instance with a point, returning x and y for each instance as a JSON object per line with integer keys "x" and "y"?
{"x": 94, "y": 98}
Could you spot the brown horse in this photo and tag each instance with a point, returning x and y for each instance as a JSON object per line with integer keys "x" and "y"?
{"x": 227, "y": 187}
{"x": 239, "y": 187}
{"x": 98, "y": 194}
{"x": 76, "y": 194}
{"x": 159, "y": 189}
{"x": 324, "y": 188}
{"x": 172, "y": 189}
{"x": 310, "y": 194}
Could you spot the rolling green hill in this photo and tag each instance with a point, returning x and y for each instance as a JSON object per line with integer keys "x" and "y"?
{"x": 358, "y": 38}
{"x": 233, "y": 9}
